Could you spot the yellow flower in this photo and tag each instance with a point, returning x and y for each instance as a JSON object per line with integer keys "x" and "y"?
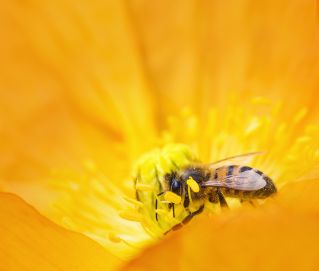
{"x": 95, "y": 93}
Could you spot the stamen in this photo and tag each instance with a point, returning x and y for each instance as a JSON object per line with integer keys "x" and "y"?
{"x": 172, "y": 197}
{"x": 131, "y": 215}
{"x": 253, "y": 126}
{"x": 125, "y": 239}
{"x": 90, "y": 165}
{"x": 300, "y": 115}
{"x": 90, "y": 200}
{"x": 303, "y": 139}
{"x": 114, "y": 238}
{"x": 260, "y": 101}
{"x": 193, "y": 184}
{"x": 144, "y": 187}
{"x": 134, "y": 201}
{"x": 161, "y": 212}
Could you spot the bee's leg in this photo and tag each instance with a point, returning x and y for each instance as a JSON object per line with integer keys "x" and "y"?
{"x": 191, "y": 215}
{"x": 221, "y": 198}
{"x": 251, "y": 202}
{"x": 186, "y": 200}
{"x": 186, "y": 219}
{"x": 172, "y": 206}
{"x": 213, "y": 197}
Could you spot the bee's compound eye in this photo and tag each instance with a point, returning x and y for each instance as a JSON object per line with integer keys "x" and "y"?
{"x": 175, "y": 186}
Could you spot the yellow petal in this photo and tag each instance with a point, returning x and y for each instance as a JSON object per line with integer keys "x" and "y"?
{"x": 74, "y": 89}
{"x": 31, "y": 242}
{"x": 203, "y": 51}
{"x": 278, "y": 236}
{"x": 301, "y": 196}
{"x": 66, "y": 93}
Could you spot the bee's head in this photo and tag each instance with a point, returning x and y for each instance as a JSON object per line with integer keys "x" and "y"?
{"x": 174, "y": 182}
{"x": 177, "y": 182}
{"x": 186, "y": 182}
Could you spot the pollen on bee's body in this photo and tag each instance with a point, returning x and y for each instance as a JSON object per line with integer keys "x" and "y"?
{"x": 193, "y": 184}
{"x": 172, "y": 197}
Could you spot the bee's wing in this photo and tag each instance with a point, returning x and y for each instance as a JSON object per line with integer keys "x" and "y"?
{"x": 242, "y": 159}
{"x": 248, "y": 181}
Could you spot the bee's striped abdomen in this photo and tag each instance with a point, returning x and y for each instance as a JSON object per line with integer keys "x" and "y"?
{"x": 225, "y": 172}
{"x": 244, "y": 182}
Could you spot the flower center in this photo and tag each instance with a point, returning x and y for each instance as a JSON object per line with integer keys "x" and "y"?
{"x": 126, "y": 215}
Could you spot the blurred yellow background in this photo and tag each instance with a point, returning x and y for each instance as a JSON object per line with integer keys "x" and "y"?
{"x": 100, "y": 79}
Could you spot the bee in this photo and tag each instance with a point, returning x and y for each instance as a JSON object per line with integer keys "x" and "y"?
{"x": 195, "y": 185}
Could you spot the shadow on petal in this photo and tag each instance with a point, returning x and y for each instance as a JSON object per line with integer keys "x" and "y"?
{"x": 31, "y": 242}
{"x": 276, "y": 236}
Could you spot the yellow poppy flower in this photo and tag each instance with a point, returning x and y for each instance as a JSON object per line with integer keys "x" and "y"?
{"x": 95, "y": 94}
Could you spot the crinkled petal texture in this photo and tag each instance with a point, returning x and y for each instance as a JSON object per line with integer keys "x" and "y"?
{"x": 70, "y": 86}
{"x": 281, "y": 235}
{"x": 206, "y": 49}
{"x": 29, "y": 241}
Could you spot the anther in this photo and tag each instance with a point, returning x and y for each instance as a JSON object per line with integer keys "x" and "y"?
{"x": 114, "y": 238}
{"x": 144, "y": 187}
{"x": 134, "y": 201}
{"x": 193, "y": 184}
{"x": 172, "y": 197}
{"x": 131, "y": 215}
